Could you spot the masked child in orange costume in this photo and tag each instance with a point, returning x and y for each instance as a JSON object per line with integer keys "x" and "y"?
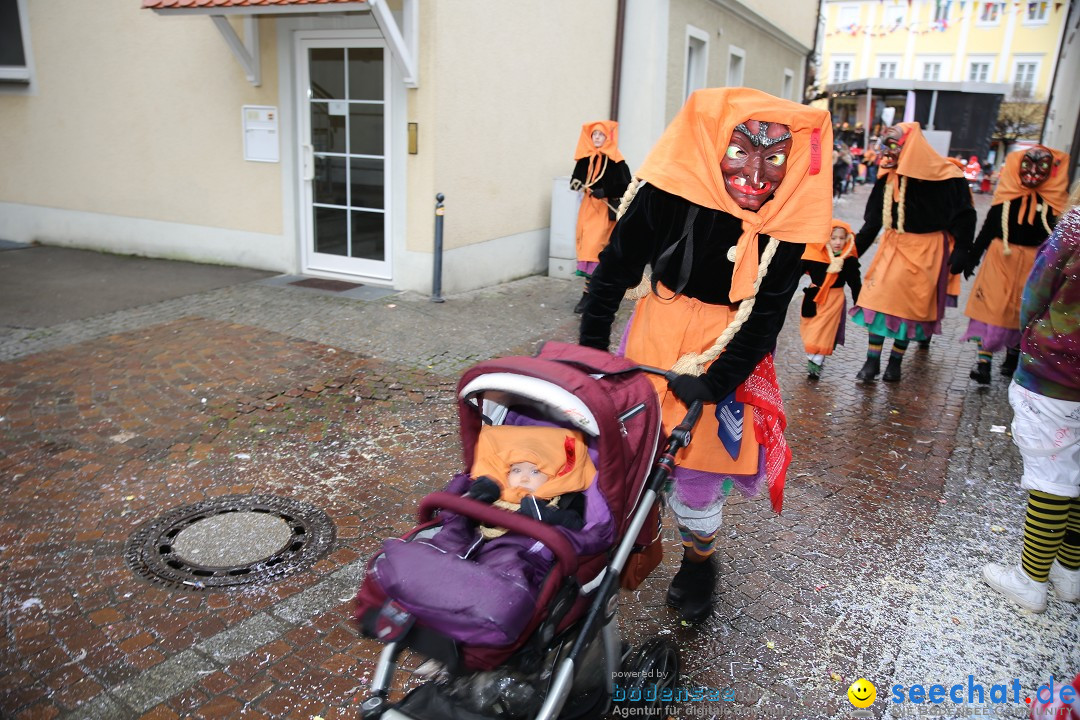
{"x": 736, "y": 172}
{"x": 923, "y": 202}
{"x": 602, "y": 175}
{"x": 1010, "y": 237}
{"x": 830, "y": 266}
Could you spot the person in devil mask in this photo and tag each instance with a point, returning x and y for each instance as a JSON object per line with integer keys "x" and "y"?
{"x": 924, "y": 205}
{"x": 733, "y": 188}
{"x": 601, "y": 175}
{"x": 1031, "y": 194}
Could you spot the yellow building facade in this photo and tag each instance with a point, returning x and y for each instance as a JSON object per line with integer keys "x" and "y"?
{"x": 1014, "y": 42}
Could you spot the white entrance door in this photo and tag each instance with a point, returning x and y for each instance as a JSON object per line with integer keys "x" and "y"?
{"x": 344, "y": 136}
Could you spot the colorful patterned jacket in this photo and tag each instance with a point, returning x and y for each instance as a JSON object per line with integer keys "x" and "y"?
{"x": 1050, "y": 316}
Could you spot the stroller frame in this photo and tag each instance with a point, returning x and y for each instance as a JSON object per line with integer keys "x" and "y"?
{"x": 600, "y": 620}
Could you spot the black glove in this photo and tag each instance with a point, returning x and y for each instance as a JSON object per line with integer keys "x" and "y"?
{"x": 597, "y": 191}
{"x": 531, "y": 508}
{"x": 809, "y": 306}
{"x": 484, "y": 489}
{"x": 689, "y": 388}
{"x": 540, "y": 510}
{"x": 958, "y": 261}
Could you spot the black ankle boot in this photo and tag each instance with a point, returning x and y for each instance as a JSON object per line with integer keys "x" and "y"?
{"x": 1012, "y": 359}
{"x": 892, "y": 370}
{"x": 870, "y": 369}
{"x": 691, "y": 589}
{"x": 580, "y": 307}
{"x": 980, "y": 373}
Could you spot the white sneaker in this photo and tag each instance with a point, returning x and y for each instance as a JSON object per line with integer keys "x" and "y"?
{"x": 1066, "y": 582}
{"x": 1015, "y": 584}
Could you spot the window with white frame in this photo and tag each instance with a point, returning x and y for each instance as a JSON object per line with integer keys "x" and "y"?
{"x": 14, "y": 50}
{"x": 1036, "y": 13}
{"x": 736, "y": 63}
{"x": 887, "y": 68}
{"x": 1024, "y": 73}
{"x": 941, "y": 10}
{"x": 893, "y": 15}
{"x": 847, "y": 17}
{"x": 989, "y": 13}
{"x": 932, "y": 67}
{"x": 788, "y": 92}
{"x": 697, "y": 59}
{"x": 978, "y": 71}
{"x": 841, "y": 70}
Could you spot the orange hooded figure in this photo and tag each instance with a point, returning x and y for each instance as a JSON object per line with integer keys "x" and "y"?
{"x": 924, "y": 205}
{"x": 1031, "y": 194}
{"x": 830, "y": 265}
{"x": 727, "y": 197}
{"x": 601, "y": 174}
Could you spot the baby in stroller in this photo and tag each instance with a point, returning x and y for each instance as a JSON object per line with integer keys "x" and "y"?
{"x": 540, "y": 472}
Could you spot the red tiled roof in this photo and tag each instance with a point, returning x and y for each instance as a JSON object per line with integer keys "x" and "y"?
{"x": 163, "y": 4}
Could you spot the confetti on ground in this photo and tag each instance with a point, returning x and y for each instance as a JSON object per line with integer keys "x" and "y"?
{"x": 997, "y": 428}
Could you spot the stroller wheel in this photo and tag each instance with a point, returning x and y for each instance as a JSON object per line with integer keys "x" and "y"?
{"x": 649, "y": 680}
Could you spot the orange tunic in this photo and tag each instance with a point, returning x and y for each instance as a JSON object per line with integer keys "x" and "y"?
{"x": 593, "y": 228}
{"x": 819, "y": 332}
{"x": 996, "y": 294}
{"x": 907, "y": 261}
{"x": 660, "y": 333}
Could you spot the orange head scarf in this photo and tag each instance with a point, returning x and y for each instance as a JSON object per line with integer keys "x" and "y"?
{"x": 822, "y": 253}
{"x": 919, "y": 160}
{"x": 686, "y": 162}
{"x": 585, "y": 147}
{"x": 558, "y": 453}
{"x": 1055, "y": 190}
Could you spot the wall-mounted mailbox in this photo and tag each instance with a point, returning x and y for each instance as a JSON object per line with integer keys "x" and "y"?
{"x": 261, "y": 133}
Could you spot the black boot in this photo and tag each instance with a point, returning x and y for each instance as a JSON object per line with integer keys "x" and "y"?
{"x": 924, "y": 345}
{"x": 580, "y": 307}
{"x": 1012, "y": 358}
{"x": 691, "y": 589}
{"x": 892, "y": 370}
{"x": 980, "y": 373}
{"x": 870, "y": 369}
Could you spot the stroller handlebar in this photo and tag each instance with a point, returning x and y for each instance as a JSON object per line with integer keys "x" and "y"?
{"x": 566, "y": 559}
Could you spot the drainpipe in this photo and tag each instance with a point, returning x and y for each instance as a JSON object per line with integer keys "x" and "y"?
{"x": 616, "y": 75}
{"x": 813, "y": 52}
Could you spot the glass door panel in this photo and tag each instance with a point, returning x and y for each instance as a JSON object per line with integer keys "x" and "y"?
{"x": 345, "y": 134}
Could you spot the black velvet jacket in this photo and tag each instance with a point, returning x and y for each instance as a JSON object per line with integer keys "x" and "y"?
{"x": 849, "y": 275}
{"x": 931, "y": 205}
{"x": 1019, "y": 233}
{"x": 610, "y": 186}
{"x": 653, "y": 223}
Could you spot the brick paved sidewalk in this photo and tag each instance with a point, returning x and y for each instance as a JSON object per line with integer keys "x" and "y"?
{"x": 871, "y": 571}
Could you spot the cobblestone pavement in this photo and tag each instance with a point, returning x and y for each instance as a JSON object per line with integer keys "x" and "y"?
{"x": 896, "y": 496}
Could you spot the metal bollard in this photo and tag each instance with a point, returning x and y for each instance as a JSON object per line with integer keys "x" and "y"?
{"x": 436, "y": 283}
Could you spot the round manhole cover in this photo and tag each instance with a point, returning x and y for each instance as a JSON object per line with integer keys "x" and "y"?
{"x": 232, "y": 540}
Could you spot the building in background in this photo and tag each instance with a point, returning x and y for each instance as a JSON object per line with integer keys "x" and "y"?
{"x": 1061, "y": 129}
{"x": 311, "y": 136}
{"x": 968, "y": 67}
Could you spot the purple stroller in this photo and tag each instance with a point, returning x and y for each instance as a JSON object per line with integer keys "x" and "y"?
{"x": 554, "y": 653}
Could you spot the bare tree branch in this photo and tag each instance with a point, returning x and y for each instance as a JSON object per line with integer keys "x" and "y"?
{"x": 1018, "y": 119}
